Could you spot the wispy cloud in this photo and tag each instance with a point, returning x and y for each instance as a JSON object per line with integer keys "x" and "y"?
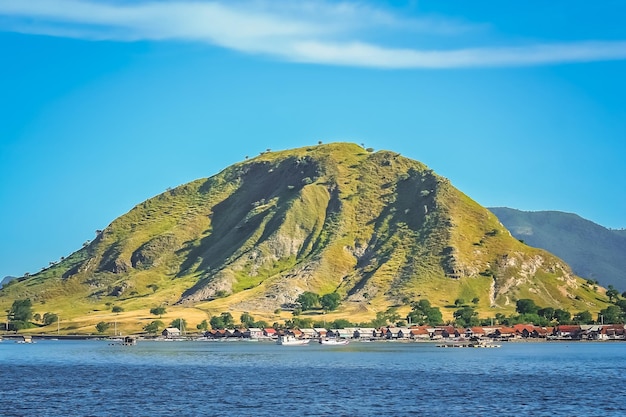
{"x": 305, "y": 31}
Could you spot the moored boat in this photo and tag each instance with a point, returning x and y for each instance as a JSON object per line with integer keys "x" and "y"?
{"x": 291, "y": 341}
{"x": 334, "y": 342}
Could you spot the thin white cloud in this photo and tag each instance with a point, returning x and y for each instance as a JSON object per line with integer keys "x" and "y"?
{"x": 305, "y": 31}
{"x": 359, "y": 54}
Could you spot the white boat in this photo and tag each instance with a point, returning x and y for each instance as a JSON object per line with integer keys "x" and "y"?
{"x": 291, "y": 341}
{"x": 25, "y": 339}
{"x": 334, "y": 342}
{"x": 473, "y": 343}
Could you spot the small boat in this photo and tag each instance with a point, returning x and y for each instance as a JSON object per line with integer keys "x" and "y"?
{"x": 25, "y": 339}
{"x": 334, "y": 342}
{"x": 473, "y": 343}
{"x": 291, "y": 341}
{"x": 129, "y": 341}
{"x": 483, "y": 344}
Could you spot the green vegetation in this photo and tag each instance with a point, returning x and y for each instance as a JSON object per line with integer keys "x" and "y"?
{"x": 466, "y": 316}
{"x": 331, "y": 231}
{"x": 49, "y": 318}
{"x": 246, "y": 319}
{"x": 102, "y": 327}
{"x": 308, "y": 300}
{"x": 158, "y": 311}
{"x": 20, "y": 314}
{"x": 330, "y": 302}
{"x": 223, "y": 321}
{"x": 423, "y": 313}
{"x": 180, "y": 324}
{"x": 154, "y": 326}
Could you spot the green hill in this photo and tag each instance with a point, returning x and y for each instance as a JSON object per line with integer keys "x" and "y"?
{"x": 379, "y": 229}
{"x": 593, "y": 251}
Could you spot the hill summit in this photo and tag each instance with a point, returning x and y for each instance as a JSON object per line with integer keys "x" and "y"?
{"x": 377, "y": 228}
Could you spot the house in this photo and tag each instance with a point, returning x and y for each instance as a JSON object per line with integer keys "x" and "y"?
{"x": 171, "y": 333}
{"x": 523, "y": 330}
{"x": 270, "y": 332}
{"x": 309, "y": 334}
{"x": 542, "y": 332}
{"x": 505, "y": 332}
{"x": 365, "y": 333}
{"x": 297, "y": 333}
{"x": 568, "y": 331}
{"x": 380, "y": 333}
{"x": 239, "y": 333}
{"x": 253, "y": 333}
{"x": 475, "y": 331}
{"x": 347, "y": 333}
{"x": 419, "y": 333}
{"x": 614, "y": 331}
{"x": 445, "y": 332}
{"x": 397, "y": 333}
{"x": 215, "y": 333}
{"x": 320, "y": 332}
{"x": 593, "y": 332}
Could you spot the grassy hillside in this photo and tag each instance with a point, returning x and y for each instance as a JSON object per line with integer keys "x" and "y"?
{"x": 379, "y": 229}
{"x": 592, "y": 251}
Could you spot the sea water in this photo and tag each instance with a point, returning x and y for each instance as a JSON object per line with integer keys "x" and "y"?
{"x": 94, "y": 378}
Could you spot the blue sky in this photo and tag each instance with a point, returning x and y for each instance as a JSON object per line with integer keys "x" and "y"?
{"x": 104, "y": 104}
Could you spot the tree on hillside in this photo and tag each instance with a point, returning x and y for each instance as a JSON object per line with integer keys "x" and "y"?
{"x": 261, "y": 324}
{"x": 154, "y": 326}
{"x": 621, "y": 304}
{"x": 526, "y": 306}
{"x": 340, "y": 324}
{"x": 466, "y": 316}
{"x": 611, "y": 314}
{"x": 612, "y": 293}
{"x": 562, "y": 316}
{"x": 584, "y": 317}
{"x": 180, "y": 324}
{"x": 49, "y": 318}
{"x": 217, "y": 323}
{"x": 330, "y": 301}
{"x": 308, "y": 300}
{"x": 246, "y": 319}
{"x": 223, "y": 321}
{"x": 20, "y": 314}
{"x": 102, "y": 327}
{"x": 547, "y": 313}
{"x": 204, "y": 325}
{"x": 228, "y": 319}
{"x": 21, "y": 310}
{"x": 383, "y": 318}
{"x": 299, "y": 323}
{"x": 423, "y": 313}
{"x": 158, "y": 311}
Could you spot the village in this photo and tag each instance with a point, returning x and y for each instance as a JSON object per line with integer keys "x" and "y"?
{"x": 518, "y": 332}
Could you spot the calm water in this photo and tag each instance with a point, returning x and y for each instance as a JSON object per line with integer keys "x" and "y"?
{"x": 91, "y": 378}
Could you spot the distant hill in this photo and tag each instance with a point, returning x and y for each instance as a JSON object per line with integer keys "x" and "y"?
{"x": 592, "y": 251}
{"x": 6, "y": 280}
{"x": 620, "y": 232}
{"x": 379, "y": 229}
